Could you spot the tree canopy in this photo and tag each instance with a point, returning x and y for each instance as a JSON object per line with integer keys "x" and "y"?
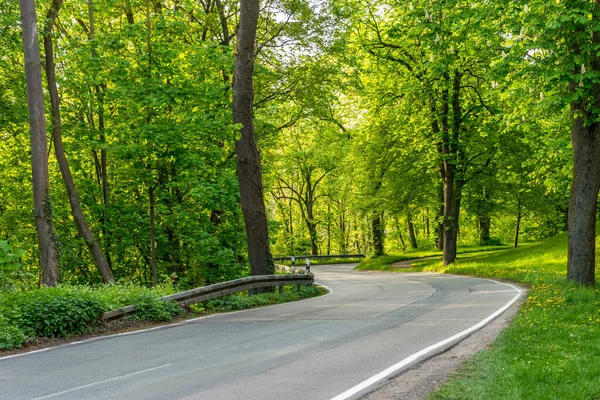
{"x": 375, "y": 125}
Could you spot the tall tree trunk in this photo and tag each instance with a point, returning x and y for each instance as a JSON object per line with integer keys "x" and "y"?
{"x": 328, "y": 228}
{"x": 411, "y": 234}
{"x": 450, "y": 150}
{"x": 400, "y": 234}
{"x": 585, "y": 138}
{"x": 82, "y": 227}
{"x": 518, "y": 226}
{"x": 312, "y": 230}
{"x": 103, "y": 171}
{"x": 248, "y": 159}
{"x": 435, "y": 128}
{"x": 50, "y": 267}
{"x": 152, "y": 236}
{"x": 377, "y": 234}
{"x": 583, "y": 200}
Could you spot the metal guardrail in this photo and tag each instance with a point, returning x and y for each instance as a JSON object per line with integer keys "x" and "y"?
{"x": 320, "y": 257}
{"x": 218, "y": 290}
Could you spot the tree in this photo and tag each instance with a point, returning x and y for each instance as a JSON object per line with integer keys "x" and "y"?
{"x": 248, "y": 158}
{"x": 567, "y": 56}
{"x": 42, "y": 211}
{"x": 82, "y": 227}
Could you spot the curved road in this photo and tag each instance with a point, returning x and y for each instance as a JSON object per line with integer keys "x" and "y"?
{"x": 372, "y": 326}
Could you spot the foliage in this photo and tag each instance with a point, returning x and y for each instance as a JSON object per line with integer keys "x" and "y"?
{"x": 11, "y": 270}
{"x": 10, "y": 336}
{"x": 56, "y": 312}
{"x": 242, "y": 301}
{"x": 70, "y": 310}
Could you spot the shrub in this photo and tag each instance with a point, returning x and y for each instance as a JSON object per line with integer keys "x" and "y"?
{"x": 150, "y": 308}
{"x": 57, "y": 312}
{"x": 10, "y": 336}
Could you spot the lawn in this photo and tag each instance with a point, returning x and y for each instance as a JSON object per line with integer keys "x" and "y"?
{"x": 552, "y": 348}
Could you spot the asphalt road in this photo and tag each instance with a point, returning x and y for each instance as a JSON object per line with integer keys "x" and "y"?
{"x": 342, "y": 345}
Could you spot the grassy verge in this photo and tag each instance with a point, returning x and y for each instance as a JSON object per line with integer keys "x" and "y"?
{"x": 383, "y": 263}
{"x": 551, "y": 349}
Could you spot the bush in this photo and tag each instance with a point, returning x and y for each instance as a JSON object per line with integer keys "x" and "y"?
{"x": 10, "y": 336}
{"x": 150, "y": 308}
{"x": 57, "y": 312}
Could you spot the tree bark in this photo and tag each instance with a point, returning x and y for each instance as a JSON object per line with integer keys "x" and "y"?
{"x": 50, "y": 267}
{"x": 82, "y": 227}
{"x": 585, "y": 138}
{"x": 248, "y": 159}
{"x": 377, "y": 235}
{"x": 450, "y": 151}
{"x": 152, "y": 236}
{"x": 411, "y": 234}
{"x": 103, "y": 170}
{"x": 583, "y": 199}
{"x": 518, "y": 226}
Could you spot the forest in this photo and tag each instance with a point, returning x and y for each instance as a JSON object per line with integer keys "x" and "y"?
{"x": 358, "y": 126}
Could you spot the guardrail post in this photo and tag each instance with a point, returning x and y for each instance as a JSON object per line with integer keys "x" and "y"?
{"x": 250, "y": 292}
{"x": 280, "y": 289}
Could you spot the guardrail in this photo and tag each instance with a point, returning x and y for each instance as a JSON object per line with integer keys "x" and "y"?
{"x": 220, "y": 289}
{"x": 320, "y": 257}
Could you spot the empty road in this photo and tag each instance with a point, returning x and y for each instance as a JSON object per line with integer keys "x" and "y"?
{"x": 342, "y": 345}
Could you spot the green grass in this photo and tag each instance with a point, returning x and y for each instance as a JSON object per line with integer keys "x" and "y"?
{"x": 551, "y": 349}
{"x": 383, "y": 263}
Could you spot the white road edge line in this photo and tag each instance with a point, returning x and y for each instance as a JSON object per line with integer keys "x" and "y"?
{"x": 101, "y": 382}
{"x": 408, "y": 360}
{"x": 181, "y": 323}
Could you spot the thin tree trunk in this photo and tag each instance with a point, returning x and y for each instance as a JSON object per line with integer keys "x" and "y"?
{"x": 328, "y": 228}
{"x": 248, "y": 159}
{"x": 400, "y": 235}
{"x": 99, "y": 89}
{"x": 377, "y": 235}
{"x": 152, "y": 237}
{"x": 82, "y": 227}
{"x": 411, "y": 234}
{"x": 50, "y": 267}
{"x": 518, "y": 226}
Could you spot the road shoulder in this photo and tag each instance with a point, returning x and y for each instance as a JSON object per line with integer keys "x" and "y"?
{"x": 420, "y": 380}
